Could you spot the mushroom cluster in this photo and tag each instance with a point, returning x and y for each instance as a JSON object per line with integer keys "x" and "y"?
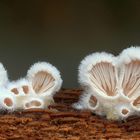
{"x": 36, "y": 90}
{"x": 111, "y": 84}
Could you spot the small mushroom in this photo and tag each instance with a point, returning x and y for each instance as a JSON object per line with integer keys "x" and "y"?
{"x": 111, "y": 84}
{"x": 37, "y": 89}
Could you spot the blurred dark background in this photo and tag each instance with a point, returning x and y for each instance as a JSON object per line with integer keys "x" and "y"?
{"x": 63, "y": 32}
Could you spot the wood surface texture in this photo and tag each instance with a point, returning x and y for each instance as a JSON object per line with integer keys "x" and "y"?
{"x": 62, "y": 122}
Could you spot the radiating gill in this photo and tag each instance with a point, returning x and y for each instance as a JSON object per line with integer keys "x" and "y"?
{"x": 42, "y": 82}
{"x": 131, "y": 79}
{"x": 103, "y": 78}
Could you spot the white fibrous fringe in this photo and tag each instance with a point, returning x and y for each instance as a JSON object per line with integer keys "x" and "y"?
{"x": 111, "y": 84}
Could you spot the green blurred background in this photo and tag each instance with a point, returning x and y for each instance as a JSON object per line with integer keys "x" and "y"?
{"x": 63, "y": 32}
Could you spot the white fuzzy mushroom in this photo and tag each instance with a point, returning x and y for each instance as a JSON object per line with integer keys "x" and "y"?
{"x": 129, "y": 62}
{"x": 7, "y": 100}
{"x": 44, "y": 78}
{"x": 38, "y": 88}
{"x": 111, "y": 84}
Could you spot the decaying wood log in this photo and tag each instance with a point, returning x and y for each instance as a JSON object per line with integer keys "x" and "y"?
{"x": 62, "y": 122}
